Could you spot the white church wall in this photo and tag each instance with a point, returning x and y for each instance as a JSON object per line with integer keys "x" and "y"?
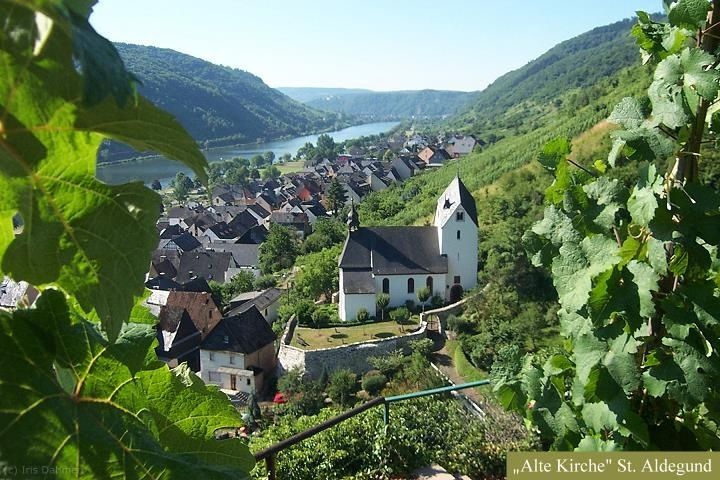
{"x": 399, "y": 287}
{"x": 350, "y": 304}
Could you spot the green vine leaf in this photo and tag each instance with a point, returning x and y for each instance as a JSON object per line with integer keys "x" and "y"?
{"x": 48, "y": 145}
{"x": 72, "y": 400}
{"x": 691, "y": 14}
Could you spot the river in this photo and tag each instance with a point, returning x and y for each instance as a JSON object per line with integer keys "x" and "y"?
{"x": 151, "y": 168}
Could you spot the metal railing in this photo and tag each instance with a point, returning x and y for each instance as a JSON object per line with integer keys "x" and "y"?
{"x": 269, "y": 453}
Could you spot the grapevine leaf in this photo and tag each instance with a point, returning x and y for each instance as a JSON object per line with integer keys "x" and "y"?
{"x": 596, "y": 444}
{"x": 598, "y": 417}
{"x": 657, "y": 256}
{"x": 588, "y": 352}
{"x": 576, "y": 266}
{"x": 71, "y": 220}
{"x": 621, "y": 364}
{"x": 647, "y": 282}
{"x": 554, "y": 151}
{"x": 556, "y": 226}
{"x": 691, "y": 14}
{"x": 628, "y": 113}
{"x": 698, "y": 369}
{"x": 74, "y": 402}
{"x": 642, "y": 205}
{"x": 667, "y": 102}
{"x": 697, "y": 74}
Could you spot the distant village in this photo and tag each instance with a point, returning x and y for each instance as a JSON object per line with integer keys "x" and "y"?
{"x": 234, "y": 346}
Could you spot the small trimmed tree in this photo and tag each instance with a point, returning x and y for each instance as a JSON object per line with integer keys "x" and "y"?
{"x": 341, "y": 387}
{"x": 423, "y": 295}
{"x": 382, "y": 301}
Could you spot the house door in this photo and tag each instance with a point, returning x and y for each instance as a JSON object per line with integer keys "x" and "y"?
{"x": 233, "y": 382}
{"x": 456, "y": 293}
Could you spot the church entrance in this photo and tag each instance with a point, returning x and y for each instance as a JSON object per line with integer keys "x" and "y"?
{"x": 456, "y": 293}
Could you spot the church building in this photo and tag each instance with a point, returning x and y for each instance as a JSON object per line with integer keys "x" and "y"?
{"x": 401, "y": 260}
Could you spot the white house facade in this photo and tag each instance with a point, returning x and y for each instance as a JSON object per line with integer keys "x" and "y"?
{"x": 399, "y": 261}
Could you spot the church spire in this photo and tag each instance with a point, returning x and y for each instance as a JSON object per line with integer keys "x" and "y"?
{"x": 353, "y": 220}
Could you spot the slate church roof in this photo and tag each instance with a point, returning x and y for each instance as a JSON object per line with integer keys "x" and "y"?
{"x": 394, "y": 251}
{"x": 456, "y": 193}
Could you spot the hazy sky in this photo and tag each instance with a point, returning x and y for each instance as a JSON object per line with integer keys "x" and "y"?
{"x": 380, "y": 45}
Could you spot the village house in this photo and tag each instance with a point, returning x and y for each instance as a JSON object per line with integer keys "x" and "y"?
{"x": 400, "y": 260}
{"x": 239, "y": 353}
{"x": 460, "y": 145}
{"x": 433, "y": 156}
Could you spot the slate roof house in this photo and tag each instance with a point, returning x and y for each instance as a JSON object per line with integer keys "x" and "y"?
{"x": 239, "y": 353}
{"x": 400, "y": 260}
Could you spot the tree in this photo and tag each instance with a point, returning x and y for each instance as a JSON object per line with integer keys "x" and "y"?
{"x": 423, "y": 295}
{"x": 79, "y": 371}
{"x": 285, "y": 157}
{"x": 374, "y": 383}
{"x": 182, "y": 184}
{"x": 257, "y": 161}
{"x": 382, "y": 300}
{"x": 237, "y": 175}
{"x": 326, "y": 148}
{"x": 319, "y": 274}
{"x": 327, "y": 232}
{"x": 336, "y": 196}
{"x": 269, "y": 157}
{"x": 279, "y": 249}
{"x": 156, "y": 185}
{"x": 342, "y": 386}
{"x": 388, "y": 155}
{"x": 271, "y": 171}
{"x": 306, "y": 152}
{"x": 400, "y": 315}
{"x": 638, "y": 294}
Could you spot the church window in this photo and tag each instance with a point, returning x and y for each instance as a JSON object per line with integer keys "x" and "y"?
{"x": 456, "y": 279}
{"x": 386, "y": 285}
{"x": 458, "y": 234}
{"x": 411, "y": 285}
{"x": 460, "y": 216}
{"x": 429, "y": 283}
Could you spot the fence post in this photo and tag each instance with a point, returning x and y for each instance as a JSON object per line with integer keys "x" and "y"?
{"x": 270, "y": 466}
{"x": 386, "y": 413}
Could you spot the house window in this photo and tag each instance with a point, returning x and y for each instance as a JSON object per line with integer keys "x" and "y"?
{"x": 212, "y": 357}
{"x": 232, "y": 357}
{"x": 411, "y": 285}
{"x": 458, "y": 234}
{"x": 386, "y": 285}
{"x": 456, "y": 279}
{"x": 214, "y": 376}
{"x": 248, "y": 381}
{"x": 429, "y": 284}
{"x": 460, "y": 216}
{"x": 233, "y": 382}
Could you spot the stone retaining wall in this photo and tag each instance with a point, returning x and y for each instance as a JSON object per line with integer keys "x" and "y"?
{"x": 352, "y": 357}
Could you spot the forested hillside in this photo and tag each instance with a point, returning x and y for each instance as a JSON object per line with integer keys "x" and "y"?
{"x": 395, "y": 105}
{"x": 307, "y": 94}
{"x": 566, "y": 77}
{"x": 217, "y": 105}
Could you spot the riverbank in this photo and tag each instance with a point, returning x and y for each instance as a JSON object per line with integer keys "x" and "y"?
{"x": 155, "y": 167}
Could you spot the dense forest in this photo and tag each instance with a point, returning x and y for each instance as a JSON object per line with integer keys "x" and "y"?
{"x": 395, "y": 105}
{"x": 218, "y": 105}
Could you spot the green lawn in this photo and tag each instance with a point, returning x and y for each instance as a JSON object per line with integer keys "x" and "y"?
{"x": 290, "y": 167}
{"x": 468, "y": 371}
{"x": 336, "y": 336}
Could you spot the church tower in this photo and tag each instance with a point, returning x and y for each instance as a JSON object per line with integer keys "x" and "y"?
{"x": 457, "y": 227}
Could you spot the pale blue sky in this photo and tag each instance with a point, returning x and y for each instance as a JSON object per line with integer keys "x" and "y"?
{"x": 380, "y": 45}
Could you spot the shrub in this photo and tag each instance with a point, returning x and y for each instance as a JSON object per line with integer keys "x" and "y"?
{"x": 320, "y": 318}
{"x": 410, "y": 305}
{"x": 362, "y": 315}
{"x": 374, "y": 383}
{"x": 460, "y": 324}
{"x": 437, "y": 301}
{"x": 342, "y": 385}
{"x": 264, "y": 282}
{"x": 423, "y": 347}
{"x": 400, "y": 315}
{"x": 304, "y": 310}
{"x": 388, "y": 364}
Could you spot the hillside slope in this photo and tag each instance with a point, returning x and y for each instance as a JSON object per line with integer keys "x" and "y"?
{"x": 516, "y": 100}
{"x": 557, "y": 94}
{"x": 217, "y": 105}
{"x": 395, "y": 105}
{"x": 307, "y": 94}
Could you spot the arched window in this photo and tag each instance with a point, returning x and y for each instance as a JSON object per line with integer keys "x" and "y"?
{"x": 411, "y": 285}
{"x": 428, "y": 284}
{"x": 386, "y": 285}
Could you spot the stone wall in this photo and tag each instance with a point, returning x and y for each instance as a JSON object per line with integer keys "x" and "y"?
{"x": 352, "y": 357}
